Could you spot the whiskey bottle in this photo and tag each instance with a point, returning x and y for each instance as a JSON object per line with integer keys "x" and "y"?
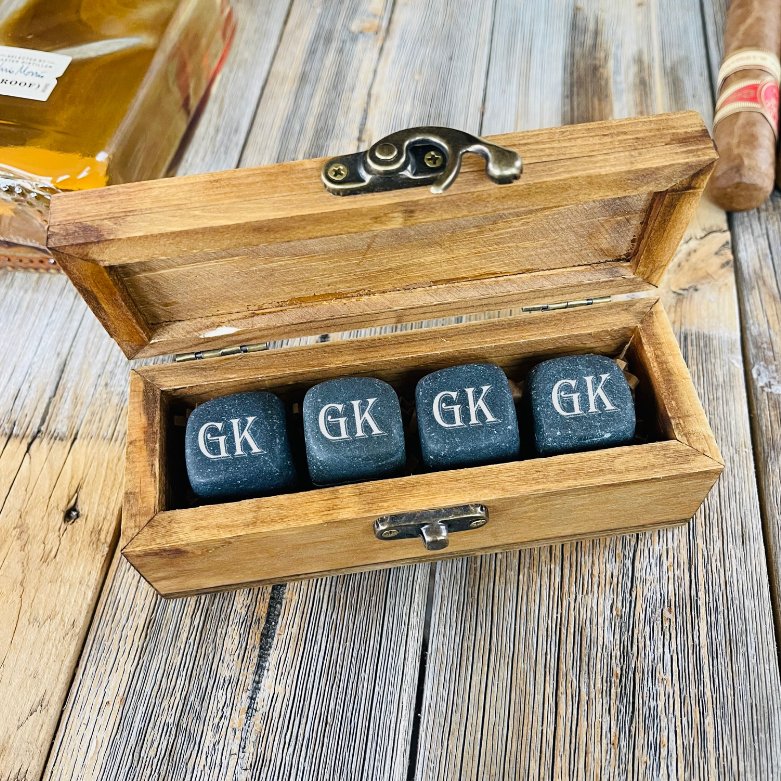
{"x": 95, "y": 92}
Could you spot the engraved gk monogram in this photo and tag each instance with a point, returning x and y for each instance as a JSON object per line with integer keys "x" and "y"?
{"x": 571, "y": 399}
{"x": 241, "y": 436}
{"x": 450, "y": 416}
{"x": 334, "y": 426}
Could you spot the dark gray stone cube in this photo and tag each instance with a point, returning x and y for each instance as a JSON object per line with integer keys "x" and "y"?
{"x": 238, "y": 446}
{"x": 353, "y": 430}
{"x": 580, "y": 402}
{"x": 466, "y": 416}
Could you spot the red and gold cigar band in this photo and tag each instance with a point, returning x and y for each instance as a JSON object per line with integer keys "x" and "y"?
{"x": 760, "y": 96}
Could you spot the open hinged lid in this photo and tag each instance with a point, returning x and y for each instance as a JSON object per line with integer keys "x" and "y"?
{"x": 238, "y": 257}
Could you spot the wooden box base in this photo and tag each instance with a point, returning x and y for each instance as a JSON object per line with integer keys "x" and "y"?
{"x": 188, "y": 550}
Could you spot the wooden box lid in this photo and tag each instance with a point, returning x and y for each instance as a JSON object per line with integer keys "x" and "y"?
{"x": 239, "y": 257}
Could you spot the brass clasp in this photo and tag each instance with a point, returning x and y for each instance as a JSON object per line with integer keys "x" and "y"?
{"x": 414, "y": 157}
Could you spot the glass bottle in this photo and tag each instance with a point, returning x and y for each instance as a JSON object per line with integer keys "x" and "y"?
{"x": 95, "y": 92}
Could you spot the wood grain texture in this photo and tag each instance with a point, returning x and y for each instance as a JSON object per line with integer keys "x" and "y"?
{"x": 145, "y": 480}
{"x": 755, "y": 237}
{"x": 185, "y": 58}
{"x": 304, "y": 681}
{"x": 668, "y": 217}
{"x": 217, "y": 140}
{"x": 657, "y": 359}
{"x": 110, "y": 303}
{"x": 651, "y": 656}
{"x": 230, "y": 255}
{"x": 250, "y": 683}
{"x": 533, "y": 502}
{"x": 756, "y": 241}
{"x": 62, "y": 382}
{"x": 399, "y": 307}
{"x": 64, "y": 390}
{"x": 317, "y": 95}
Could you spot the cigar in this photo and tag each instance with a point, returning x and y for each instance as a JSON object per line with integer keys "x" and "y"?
{"x": 745, "y": 124}
{"x": 778, "y": 169}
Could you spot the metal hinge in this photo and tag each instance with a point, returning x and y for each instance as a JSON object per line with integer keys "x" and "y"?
{"x": 254, "y": 348}
{"x": 566, "y": 304}
{"x": 220, "y": 352}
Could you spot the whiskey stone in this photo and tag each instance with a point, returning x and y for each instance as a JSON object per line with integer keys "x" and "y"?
{"x": 466, "y": 416}
{"x": 353, "y": 430}
{"x": 580, "y": 402}
{"x": 238, "y": 446}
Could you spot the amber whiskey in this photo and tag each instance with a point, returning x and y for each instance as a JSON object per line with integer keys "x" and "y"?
{"x": 95, "y": 92}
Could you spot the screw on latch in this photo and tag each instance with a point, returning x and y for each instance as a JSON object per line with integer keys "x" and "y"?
{"x": 476, "y": 524}
{"x": 433, "y": 158}
{"x": 389, "y": 534}
{"x": 337, "y": 172}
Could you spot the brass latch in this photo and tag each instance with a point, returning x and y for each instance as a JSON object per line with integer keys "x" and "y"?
{"x": 432, "y": 526}
{"x": 414, "y": 157}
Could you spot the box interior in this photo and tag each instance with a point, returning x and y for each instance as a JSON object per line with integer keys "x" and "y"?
{"x": 516, "y": 358}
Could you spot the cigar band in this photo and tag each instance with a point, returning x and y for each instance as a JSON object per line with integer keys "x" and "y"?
{"x": 750, "y": 59}
{"x": 758, "y": 96}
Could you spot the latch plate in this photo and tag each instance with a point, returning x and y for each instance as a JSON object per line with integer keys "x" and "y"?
{"x": 414, "y": 157}
{"x": 432, "y": 526}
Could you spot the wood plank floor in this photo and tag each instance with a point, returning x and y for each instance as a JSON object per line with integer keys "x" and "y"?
{"x": 647, "y": 656}
{"x": 601, "y": 659}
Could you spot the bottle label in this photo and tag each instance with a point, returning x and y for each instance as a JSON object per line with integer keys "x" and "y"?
{"x": 27, "y": 73}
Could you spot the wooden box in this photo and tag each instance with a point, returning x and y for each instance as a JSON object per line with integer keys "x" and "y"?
{"x": 210, "y": 262}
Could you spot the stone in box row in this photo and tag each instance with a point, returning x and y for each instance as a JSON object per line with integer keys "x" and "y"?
{"x": 240, "y": 445}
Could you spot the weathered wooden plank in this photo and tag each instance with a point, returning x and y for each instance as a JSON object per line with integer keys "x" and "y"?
{"x": 59, "y": 514}
{"x": 193, "y": 688}
{"x": 309, "y": 680}
{"x": 433, "y": 68}
{"x": 647, "y": 656}
{"x": 757, "y": 246}
{"x": 320, "y": 83}
{"x": 217, "y": 140}
{"x": 62, "y": 426}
